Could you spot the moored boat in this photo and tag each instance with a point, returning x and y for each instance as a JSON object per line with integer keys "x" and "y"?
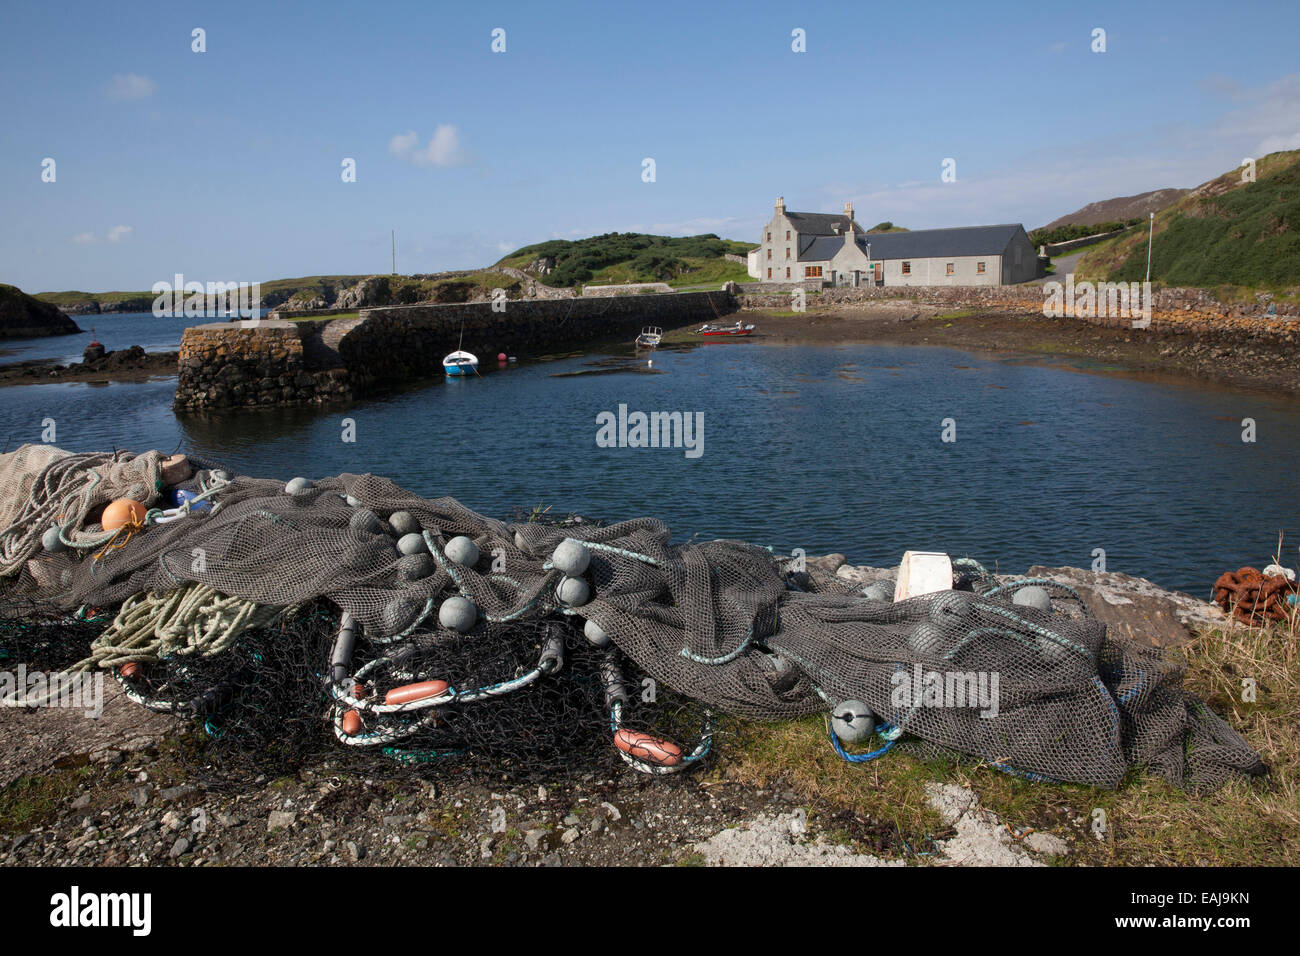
{"x": 738, "y": 329}
{"x": 649, "y": 337}
{"x": 460, "y": 363}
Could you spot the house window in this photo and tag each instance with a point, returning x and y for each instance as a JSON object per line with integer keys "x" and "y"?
{"x": 769, "y": 254}
{"x": 950, "y": 268}
{"x": 787, "y": 252}
{"x": 812, "y": 272}
{"x": 787, "y": 235}
{"x": 769, "y": 235}
{"x": 787, "y": 272}
{"x": 979, "y": 267}
{"x": 769, "y": 273}
{"x": 907, "y": 268}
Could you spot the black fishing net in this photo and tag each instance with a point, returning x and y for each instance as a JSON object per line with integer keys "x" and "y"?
{"x": 352, "y": 610}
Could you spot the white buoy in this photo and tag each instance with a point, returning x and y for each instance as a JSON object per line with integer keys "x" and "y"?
{"x": 296, "y": 486}
{"x": 403, "y": 522}
{"x": 595, "y": 634}
{"x": 950, "y": 608}
{"x": 852, "y": 721}
{"x": 220, "y": 474}
{"x": 572, "y": 557}
{"x": 365, "y": 521}
{"x": 51, "y": 541}
{"x": 415, "y": 567}
{"x": 879, "y": 591}
{"x": 574, "y": 591}
{"x": 411, "y": 544}
{"x": 458, "y": 614}
{"x": 352, "y": 500}
{"x": 463, "y": 551}
{"x": 519, "y": 541}
{"x": 1033, "y": 596}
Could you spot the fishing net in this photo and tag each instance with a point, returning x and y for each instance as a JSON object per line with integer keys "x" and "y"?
{"x": 422, "y": 630}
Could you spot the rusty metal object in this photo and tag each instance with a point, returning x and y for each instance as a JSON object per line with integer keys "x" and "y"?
{"x": 1253, "y": 598}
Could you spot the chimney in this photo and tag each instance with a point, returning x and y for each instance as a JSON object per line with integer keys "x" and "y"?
{"x": 780, "y": 205}
{"x": 848, "y": 210}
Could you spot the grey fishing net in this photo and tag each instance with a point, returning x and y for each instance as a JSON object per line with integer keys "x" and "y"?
{"x": 416, "y": 627}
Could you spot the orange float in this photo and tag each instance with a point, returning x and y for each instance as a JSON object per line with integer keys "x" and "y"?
{"x": 352, "y": 723}
{"x": 642, "y": 746}
{"x": 409, "y": 693}
{"x": 122, "y": 512}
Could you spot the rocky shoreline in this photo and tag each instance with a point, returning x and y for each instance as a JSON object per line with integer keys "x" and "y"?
{"x": 132, "y": 364}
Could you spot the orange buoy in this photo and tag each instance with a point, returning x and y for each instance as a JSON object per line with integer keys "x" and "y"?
{"x": 130, "y": 670}
{"x": 409, "y": 693}
{"x": 121, "y": 512}
{"x": 358, "y": 691}
{"x": 352, "y": 723}
{"x": 642, "y": 746}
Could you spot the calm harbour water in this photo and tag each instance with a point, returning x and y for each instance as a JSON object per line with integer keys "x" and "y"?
{"x": 827, "y": 448}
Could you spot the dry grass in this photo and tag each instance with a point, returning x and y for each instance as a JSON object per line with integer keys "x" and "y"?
{"x": 1246, "y": 823}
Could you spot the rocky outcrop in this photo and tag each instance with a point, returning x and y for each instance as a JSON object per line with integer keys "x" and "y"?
{"x": 25, "y": 317}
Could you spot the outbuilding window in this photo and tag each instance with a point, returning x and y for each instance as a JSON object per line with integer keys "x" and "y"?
{"x": 907, "y": 268}
{"x": 949, "y": 268}
{"x": 769, "y": 255}
{"x": 979, "y": 267}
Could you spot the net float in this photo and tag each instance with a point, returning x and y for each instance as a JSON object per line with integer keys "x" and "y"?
{"x": 358, "y": 691}
{"x": 130, "y": 670}
{"x": 596, "y": 634}
{"x": 574, "y": 591}
{"x": 403, "y": 522}
{"x": 572, "y": 557}
{"x": 1033, "y": 596}
{"x": 409, "y": 544}
{"x": 463, "y": 551}
{"x": 122, "y": 512}
{"x": 296, "y": 486}
{"x": 852, "y": 721}
{"x": 365, "y": 521}
{"x": 352, "y": 723}
{"x": 51, "y": 541}
{"x": 458, "y": 614}
{"x": 409, "y": 693}
{"x": 642, "y": 746}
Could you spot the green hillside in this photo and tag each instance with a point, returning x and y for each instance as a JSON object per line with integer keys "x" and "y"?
{"x": 1223, "y": 233}
{"x": 635, "y": 257}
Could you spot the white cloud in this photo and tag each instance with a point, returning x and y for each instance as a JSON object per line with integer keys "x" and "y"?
{"x": 444, "y": 149}
{"x": 116, "y": 234}
{"x": 131, "y": 86}
{"x": 504, "y": 247}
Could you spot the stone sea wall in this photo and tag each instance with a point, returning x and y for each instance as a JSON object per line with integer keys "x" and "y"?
{"x": 230, "y": 365}
{"x": 1173, "y": 310}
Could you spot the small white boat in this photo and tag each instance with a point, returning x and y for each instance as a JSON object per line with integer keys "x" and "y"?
{"x": 460, "y": 363}
{"x": 649, "y": 337}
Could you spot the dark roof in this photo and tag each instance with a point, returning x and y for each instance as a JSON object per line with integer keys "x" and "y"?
{"x": 820, "y": 223}
{"x": 923, "y": 243}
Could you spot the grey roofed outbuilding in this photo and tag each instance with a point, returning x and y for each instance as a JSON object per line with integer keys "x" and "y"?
{"x": 921, "y": 244}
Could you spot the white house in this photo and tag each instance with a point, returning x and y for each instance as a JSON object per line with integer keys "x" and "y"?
{"x": 834, "y": 249}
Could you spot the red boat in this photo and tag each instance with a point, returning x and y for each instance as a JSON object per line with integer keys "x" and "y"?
{"x": 738, "y": 329}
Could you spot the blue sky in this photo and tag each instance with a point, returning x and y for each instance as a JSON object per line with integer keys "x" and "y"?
{"x": 225, "y": 165}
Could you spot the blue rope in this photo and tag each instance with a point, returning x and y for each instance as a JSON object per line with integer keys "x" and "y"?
{"x": 863, "y": 758}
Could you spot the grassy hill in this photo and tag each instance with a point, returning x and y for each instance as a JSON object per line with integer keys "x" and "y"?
{"x": 1222, "y": 233}
{"x": 25, "y": 316}
{"x": 635, "y": 257}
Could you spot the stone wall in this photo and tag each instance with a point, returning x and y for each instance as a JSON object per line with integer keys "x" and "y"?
{"x": 407, "y": 343}
{"x": 230, "y": 365}
{"x": 1172, "y": 309}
